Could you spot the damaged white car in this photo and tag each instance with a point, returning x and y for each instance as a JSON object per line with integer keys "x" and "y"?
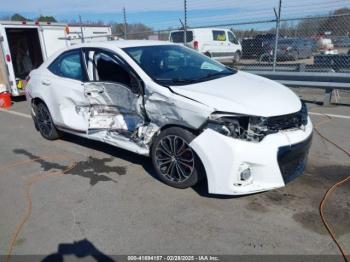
{"x": 193, "y": 116}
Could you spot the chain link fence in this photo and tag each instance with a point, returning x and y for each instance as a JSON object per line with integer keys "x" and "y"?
{"x": 310, "y": 44}
{"x": 318, "y": 44}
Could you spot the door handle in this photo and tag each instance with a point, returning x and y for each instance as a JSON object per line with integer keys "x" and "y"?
{"x": 94, "y": 91}
{"x": 46, "y": 82}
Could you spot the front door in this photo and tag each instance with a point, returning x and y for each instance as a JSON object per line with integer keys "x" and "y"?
{"x": 220, "y": 44}
{"x": 113, "y": 94}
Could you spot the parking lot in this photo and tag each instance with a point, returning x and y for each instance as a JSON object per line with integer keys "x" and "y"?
{"x": 109, "y": 202}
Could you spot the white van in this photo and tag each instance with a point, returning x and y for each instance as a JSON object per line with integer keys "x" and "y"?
{"x": 218, "y": 43}
{"x": 25, "y": 45}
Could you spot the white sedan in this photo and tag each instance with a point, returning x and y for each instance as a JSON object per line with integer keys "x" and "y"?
{"x": 195, "y": 118}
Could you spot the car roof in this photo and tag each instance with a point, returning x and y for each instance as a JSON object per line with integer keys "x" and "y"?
{"x": 121, "y": 44}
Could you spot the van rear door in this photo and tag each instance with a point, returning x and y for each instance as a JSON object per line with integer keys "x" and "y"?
{"x": 179, "y": 37}
{"x": 24, "y": 46}
{"x": 8, "y": 62}
{"x": 3, "y": 68}
{"x": 53, "y": 38}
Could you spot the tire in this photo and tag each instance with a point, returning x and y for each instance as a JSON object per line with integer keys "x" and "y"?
{"x": 236, "y": 57}
{"x": 207, "y": 54}
{"x": 295, "y": 56}
{"x": 265, "y": 58}
{"x": 176, "y": 169}
{"x": 44, "y": 123}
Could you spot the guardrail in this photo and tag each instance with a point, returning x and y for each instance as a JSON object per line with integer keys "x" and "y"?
{"x": 328, "y": 81}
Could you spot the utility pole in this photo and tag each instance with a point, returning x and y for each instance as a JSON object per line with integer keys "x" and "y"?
{"x": 185, "y": 20}
{"x": 278, "y": 20}
{"x": 125, "y": 23}
{"x": 81, "y": 30}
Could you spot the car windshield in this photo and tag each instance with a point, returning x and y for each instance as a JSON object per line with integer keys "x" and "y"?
{"x": 176, "y": 65}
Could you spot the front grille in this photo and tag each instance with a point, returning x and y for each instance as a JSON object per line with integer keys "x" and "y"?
{"x": 284, "y": 122}
{"x": 292, "y": 159}
{"x": 290, "y": 121}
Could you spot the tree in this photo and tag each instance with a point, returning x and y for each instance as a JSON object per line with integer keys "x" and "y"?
{"x": 338, "y": 23}
{"x": 134, "y": 31}
{"x": 18, "y": 17}
{"x": 50, "y": 19}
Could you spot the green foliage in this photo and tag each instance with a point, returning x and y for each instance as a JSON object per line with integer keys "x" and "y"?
{"x": 18, "y": 17}
{"x": 134, "y": 31}
{"x": 50, "y": 19}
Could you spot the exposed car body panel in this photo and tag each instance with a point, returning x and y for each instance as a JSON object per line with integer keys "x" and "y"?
{"x": 223, "y": 157}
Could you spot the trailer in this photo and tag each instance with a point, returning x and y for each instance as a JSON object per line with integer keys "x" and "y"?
{"x": 25, "y": 45}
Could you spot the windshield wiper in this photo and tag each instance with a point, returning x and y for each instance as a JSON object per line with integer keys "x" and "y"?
{"x": 211, "y": 75}
{"x": 177, "y": 80}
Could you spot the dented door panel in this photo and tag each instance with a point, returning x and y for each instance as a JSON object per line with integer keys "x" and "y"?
{"x": 113, "y": 107}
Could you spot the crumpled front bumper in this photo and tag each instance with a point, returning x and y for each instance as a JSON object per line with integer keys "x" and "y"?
{"x": 224, "y": 158}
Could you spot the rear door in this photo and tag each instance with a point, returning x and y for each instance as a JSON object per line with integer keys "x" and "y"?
{"x": 114, "y": 94}
{"x": 63, "y": 88}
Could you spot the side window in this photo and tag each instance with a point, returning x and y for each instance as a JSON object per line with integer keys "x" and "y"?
{"x": 105, "y": 67}
{"x": 68, "y": 65}
{"x": 232, "y": 38}
{"x": 219, "y": 35}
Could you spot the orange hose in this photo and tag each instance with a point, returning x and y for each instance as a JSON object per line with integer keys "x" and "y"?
{"x": 331, "y": 190}
{"x": 28, "y": 196}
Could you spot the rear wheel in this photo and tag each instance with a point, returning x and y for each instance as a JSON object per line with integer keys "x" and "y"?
{"x": 175, "y": 162}
{"x": 44, "y": 123}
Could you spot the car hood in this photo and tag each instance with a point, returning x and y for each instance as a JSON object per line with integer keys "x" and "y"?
{"x": 243, "y": 93}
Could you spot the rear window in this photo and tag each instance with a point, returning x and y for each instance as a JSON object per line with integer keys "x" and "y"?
{"x": 178, "y": 37}
{"x": 219, "y": 35}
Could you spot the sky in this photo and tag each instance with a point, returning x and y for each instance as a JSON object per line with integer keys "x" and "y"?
{"x": 165, "y": 14}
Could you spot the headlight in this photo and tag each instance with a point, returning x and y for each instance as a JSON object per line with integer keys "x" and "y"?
{"x": 255, "y": 128}
{"x": 304, "y": 114}
{"x": 229, "y": 125}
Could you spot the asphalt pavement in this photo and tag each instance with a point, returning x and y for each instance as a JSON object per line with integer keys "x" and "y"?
{"x": 110, "y": 200}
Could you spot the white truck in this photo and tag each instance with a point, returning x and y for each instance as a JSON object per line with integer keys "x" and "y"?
{"x": 218, "y": 43}
{"x": 25, "y": 45}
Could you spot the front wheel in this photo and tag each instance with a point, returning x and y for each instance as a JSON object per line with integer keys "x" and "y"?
{"x": 236, "y": 57}
{"x": 175, "y": 162}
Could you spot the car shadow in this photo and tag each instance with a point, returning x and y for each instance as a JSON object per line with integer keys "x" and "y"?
{"x": 146, "y": 163}
{"x": 114, "y": 151}
{"x": 82, "y": 249}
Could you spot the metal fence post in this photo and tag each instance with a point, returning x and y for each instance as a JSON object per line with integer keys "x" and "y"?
{"x": 81, "y": 30}
{"x": 185, "y": 25}
{"x": 278, "y": 19}
{"x": 327, "y": 96}
{"x": 125, "y": 24}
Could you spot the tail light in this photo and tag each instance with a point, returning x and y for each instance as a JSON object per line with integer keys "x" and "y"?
{"x": 8, "y": 58}
{"x": 195, "y": 45}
